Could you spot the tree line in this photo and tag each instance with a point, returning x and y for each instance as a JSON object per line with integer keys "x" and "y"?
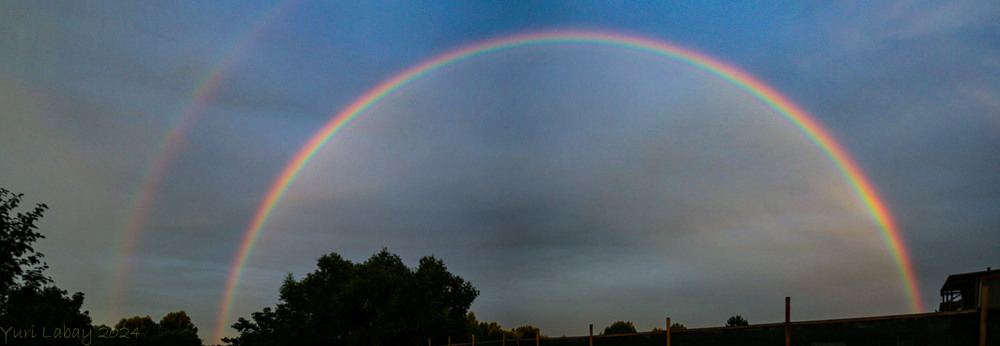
{"x": 34, "y": 311}
{"x": 380, "y": 301}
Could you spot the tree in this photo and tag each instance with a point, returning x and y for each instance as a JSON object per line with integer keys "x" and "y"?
{"x": 737, "y": 321}
{"x": 177, "y": 321}
{"x": 47, "y": 307}
{"x": 526, "y": 332}
{"x": 20, "y": 265}
{"x": 27, "y": 300}
{"x": 486, "y": 331}
{"x": 673, "y": 327}
{"x": 493, "y": 331}
{"x": 175, "y": 328}
{"x": 144, "y": 324}
{"x": 620, "y": 327}
{"x": 137, "y": 330}
{"x": 378, "y": 302}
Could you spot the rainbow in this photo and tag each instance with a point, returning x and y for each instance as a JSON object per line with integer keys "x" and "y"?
{"x": 172, "y": 143}
{"x": 755, "y": 88}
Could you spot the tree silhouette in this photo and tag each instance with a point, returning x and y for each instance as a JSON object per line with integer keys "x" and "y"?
{"x": 177, "y": 321}
{"x": 46, "y": 307}
{"x": 737, "y": 321}
{"x": 673, "y": 327}
{"x": 487, "y": 331}
{"x": 526, "y": 332}
{"x": 143, "y": 324}
{"x": 378, "y": 302}
{"x": 620, "y": 327}
{"x": 176, "y": 328}
{"x": 27, "y": 300}
{"x": 20, "y": 265}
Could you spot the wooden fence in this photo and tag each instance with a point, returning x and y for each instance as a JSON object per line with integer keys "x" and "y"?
{"x": 955, "y": 328}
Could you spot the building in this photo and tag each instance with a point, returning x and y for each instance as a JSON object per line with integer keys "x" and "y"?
{"x": 964, "y": 291}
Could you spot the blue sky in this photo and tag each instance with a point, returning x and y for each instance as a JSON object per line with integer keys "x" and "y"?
{"x": 570, "y": 185}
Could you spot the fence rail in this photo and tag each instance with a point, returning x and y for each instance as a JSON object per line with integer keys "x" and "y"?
{"x": 958, "y": 328}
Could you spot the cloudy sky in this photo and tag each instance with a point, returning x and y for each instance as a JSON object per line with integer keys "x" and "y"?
{"x": 571, "y": 184}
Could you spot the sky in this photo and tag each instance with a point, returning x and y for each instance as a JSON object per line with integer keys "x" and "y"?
{"x": 572, "y": 184}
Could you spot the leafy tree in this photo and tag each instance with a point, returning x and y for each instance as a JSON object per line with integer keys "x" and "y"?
{"x": 27, "y": 300}
{"x": 673, "y": 327}
{"x": 493, "y": 331}
{"x": 47, "y": 307}
{"x": 737, "y": 321}
{"x": 175, "y": 328}
{"x": 378, "y": 302}
{"x": 620, "y": 327}
{"x": 177, "y": 321}
{"x": 138, "y": 330}
{"x": 482, "y": 330}
{"x": 263, "y": 330}
{"x": 144, "y": 324}
{"x": 526, "y": 332}
{"x": 20, "y": 265}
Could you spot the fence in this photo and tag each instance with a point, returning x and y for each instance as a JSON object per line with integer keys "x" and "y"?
{"x": 958, "y": 328}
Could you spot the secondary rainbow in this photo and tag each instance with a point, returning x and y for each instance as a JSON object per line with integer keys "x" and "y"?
{"x": 757, "y": 89}
{"x": 172, "y": 143}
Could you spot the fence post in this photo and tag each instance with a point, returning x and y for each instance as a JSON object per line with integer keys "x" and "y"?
{"x": 504, "y": 342}
{"x": 984, "y": 305}
{"x": 473, "y": 339}
{"x": 668, "y": 331}
{"x": 449, "y": 341}
{"x": 591, "y": 334}
{"x": 538, "y": 335}
{"x": 428, "y": 341}
{"x": 788, "y": 321}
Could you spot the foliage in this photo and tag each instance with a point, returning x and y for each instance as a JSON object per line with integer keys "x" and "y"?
{"x": 172, "y": 337}
{"x": 46, "y": 307}
{"x": 174, "y": 328}
{"x": 737, "y": 321}
{"x": 20, "y": 265}
{"x": 493, "y": 331}
{"x": 676, "y": 327}
{"x": 27, "y": 300}
{"x": 526, "y": 332}
{"x": 378, "y": 302}
{"x": 177, "y": 321}
{"x": 143, "y": 324}
{"x": 486, "y": 331}
{"x": 620, "y": 327}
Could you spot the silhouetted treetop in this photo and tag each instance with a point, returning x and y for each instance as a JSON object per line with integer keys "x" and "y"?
{"x": 620, "y": 327}
{"x": 27, "y": 297}
{"x": 380, "y": 301}
{"x": 737, "y": 321}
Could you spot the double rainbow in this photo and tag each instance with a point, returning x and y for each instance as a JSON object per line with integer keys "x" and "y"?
{"x": 755, "y": 88}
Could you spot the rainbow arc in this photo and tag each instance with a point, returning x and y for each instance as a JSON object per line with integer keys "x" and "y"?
{"x": 782, "y": 106}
